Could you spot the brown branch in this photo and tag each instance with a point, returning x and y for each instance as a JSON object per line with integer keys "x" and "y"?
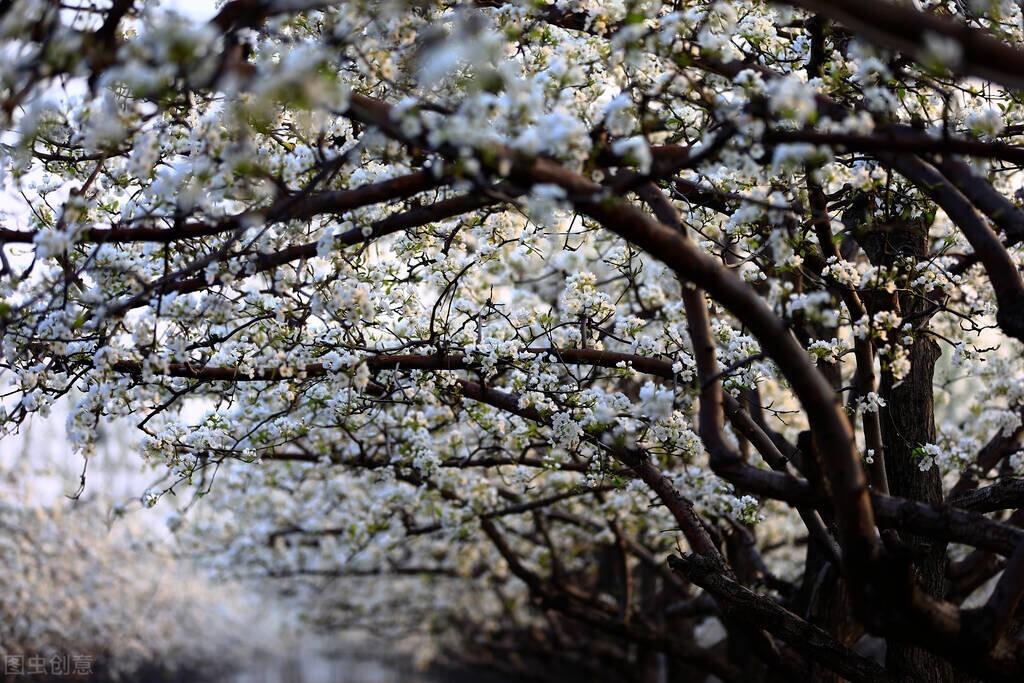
{"x": 296, "y": 208}
{"x": 852, "y": 506}
{"x": 902, "y": 27}
{"x": 864, "y": 378}
{"x": 1003, "y": 213}
{"x": 1002, "y": 271}
{"x": 680, "y": 507}
{"x": 988, "y": 623}
{"x": 1006, "y": 494}
{"x": 405, "y": 220}
{"x": 942, "y": 522}
{"x": 898, "y": 139}
{"x": 807, "y": 639}
{"x": 991, "y": 454}
{"x": 517, "y": 509}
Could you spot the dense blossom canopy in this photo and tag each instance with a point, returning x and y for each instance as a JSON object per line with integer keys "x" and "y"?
{"x": 462, "y": 318}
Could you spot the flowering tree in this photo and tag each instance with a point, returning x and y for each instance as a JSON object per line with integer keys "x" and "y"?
{"x": 492, "y": 307}
{"x": 78, "y": 599}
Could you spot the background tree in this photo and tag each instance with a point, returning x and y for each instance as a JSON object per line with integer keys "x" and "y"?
{"x": 490, "y": 308}
{"x": 113, "y": 601}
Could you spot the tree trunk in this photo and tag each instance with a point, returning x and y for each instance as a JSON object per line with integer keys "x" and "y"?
{"x": 908, "y": 422}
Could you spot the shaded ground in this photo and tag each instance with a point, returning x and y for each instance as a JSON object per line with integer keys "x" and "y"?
{"x": 374, "y": 667}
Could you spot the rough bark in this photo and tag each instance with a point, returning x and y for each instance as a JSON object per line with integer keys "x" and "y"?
{"x": 908, "y": 422}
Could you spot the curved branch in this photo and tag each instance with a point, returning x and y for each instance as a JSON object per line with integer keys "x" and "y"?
{"x": 1003, "y": 495}
{"x": 901, "y": 26}
{"x": 295, "y": 208}
{"x": 807, "y": 639}
{"x": 1002, "y": 271}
